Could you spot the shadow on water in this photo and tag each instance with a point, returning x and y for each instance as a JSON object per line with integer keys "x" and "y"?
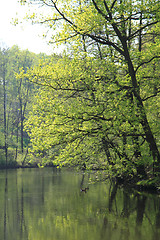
{"x": 44, "y": 204}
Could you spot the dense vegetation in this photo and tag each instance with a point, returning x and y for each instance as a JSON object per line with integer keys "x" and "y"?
{"x": 99, "y": 104}
{"x": 15, "y": 99}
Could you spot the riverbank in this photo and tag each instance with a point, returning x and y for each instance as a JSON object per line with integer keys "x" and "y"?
{"x": 151, "y": 185}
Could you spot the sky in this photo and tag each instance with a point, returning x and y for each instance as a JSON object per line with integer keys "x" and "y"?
{"x": 26, "y": 36}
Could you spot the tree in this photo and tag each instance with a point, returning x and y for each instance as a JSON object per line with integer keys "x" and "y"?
{"x": 3, "y": 71}
{"x": 21, "y": 91}
{"x": 13, "y": 101}
{"x": 115, "y": 33}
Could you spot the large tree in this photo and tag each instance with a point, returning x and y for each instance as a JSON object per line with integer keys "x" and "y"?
{"x": 123, "y": 37}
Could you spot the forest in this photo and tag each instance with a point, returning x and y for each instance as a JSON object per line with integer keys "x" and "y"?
{"x": 15, "y": 98}
{"x": 97, "y": 104}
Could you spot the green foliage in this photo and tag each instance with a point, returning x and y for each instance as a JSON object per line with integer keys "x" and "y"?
{"x": 15, "y": 98}
{"x": 77, "y": 106}
{"x": 11, "y": 162}
{"x": 100, "y": 102}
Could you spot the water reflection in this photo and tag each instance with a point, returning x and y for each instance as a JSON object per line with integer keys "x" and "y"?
{"x": 44, "y": 204}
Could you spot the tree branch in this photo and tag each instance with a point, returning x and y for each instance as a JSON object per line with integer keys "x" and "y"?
{"x": 154, "y": 95}
{"x": 112, "y": 6}
{"x": 140, "y": 29}
{"x": 146, "y": 62}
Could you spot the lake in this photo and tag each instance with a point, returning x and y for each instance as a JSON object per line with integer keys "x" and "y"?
{"x": 47, "y": 204}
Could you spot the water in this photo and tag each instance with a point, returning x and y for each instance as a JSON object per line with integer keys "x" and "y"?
{"x": 45, "y": 204}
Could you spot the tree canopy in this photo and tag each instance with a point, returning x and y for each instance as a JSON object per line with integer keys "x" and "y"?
{"x": 100, "y": 102}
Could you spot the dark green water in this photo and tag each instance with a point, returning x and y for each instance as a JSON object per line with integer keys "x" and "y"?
{"x": 45, "y": 204}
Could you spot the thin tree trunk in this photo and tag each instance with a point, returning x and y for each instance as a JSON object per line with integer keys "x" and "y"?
{"x": 106, "y": 149}
{"x": 21, "y": 113}
{"x": 16, "y": 141}
{"x": 21, "y": 119}
{"x": 25, "y": 157}
{"x": 4, "y": 113}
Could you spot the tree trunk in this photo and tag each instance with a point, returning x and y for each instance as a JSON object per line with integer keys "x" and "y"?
{"x": 142, "y": 115}
{"x": 141, "y": 111}
{"x": 4, "y": 112}
{"x": 16, "y": 154}
{"x": 137, "y": 154}
{"x": 106, "y": 149}
{"x": 21, "y": 119}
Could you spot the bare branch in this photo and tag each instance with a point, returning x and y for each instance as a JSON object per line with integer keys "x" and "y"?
{"x": 112, "y": 6}
{"x": 100, "y": 11}
{"x": 107, "y": 8}
{"x": 63, "y": 16}
{"x": 105, "y": 42}
{"x": 140, "y": 29}
{"x": 64, "y": 39}
{"x": 151, "y": 96}
{"x": 50, "y": 20}
{"x": 140, "y": 65}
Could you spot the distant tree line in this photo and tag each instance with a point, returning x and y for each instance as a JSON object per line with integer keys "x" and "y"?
{"x": 15, "y": 99}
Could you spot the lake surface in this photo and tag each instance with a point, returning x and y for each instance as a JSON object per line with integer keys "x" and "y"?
{"x": 47, "y": 204}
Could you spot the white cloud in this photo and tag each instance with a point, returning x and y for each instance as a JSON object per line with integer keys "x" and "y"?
{"x": 26, "y": 36}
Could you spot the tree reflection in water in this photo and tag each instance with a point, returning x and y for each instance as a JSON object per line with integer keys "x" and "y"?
{"x": 45, "y": 204}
